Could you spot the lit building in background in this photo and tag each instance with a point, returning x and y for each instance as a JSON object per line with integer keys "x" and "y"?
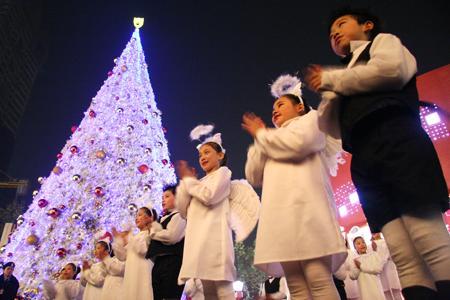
{"x": 21, "y": 55}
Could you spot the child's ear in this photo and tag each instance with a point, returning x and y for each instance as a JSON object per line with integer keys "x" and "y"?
{"x": 221, "y": 155}
{"x": 300, "y": 107}
{"x": 368, "y": 26}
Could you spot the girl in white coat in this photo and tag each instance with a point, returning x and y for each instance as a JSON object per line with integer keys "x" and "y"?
{"x": 298, "y": 212}
{"x": 66, "y": 288}
{"x": 366, "y": 269}
{"x": 389, "y": 276}
{"x": 113, "y": 285}
{"x": 208, "y": 248}
{"x": 93, "y": 276}
{"x": 137, "y": 283}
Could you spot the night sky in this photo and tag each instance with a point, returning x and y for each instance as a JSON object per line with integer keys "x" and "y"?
{"x": 209, "y": 62}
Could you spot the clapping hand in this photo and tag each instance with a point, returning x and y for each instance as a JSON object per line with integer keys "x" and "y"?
{"x": 357, "y": 263}
{"x": 184, "y": 170}
{"x": 313, "y": 77}
{"x": 252, "y": 123}
{"x": 86, "y": 265}
{"x": 120, "y": 234}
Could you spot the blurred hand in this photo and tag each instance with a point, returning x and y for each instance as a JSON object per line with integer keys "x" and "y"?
{"x": 313, "y": 77}
{"x": 120, "y": 234}
{"x": 252, "y": 123}
{"x": 86, "y": 265}
{"x": 357, "y": 263}
{"x": 374, "y": 246}
{"x": 184, "y": 170}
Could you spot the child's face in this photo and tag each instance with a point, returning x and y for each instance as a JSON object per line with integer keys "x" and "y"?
{"x": 360, "y": 246}
{"x": 284, "y": 109}
{"x": 168, "y": 200}
{"x": 100, "y": 252}
{"x": 8, "y": 271}
{"x": 67, "y": 272}
{"x": 209, "y": 158}
{"x": 142, "y": 219}
{"x": 345, "y": 29}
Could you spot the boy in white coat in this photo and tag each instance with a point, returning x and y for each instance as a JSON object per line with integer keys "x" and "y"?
{"x": 373, "y": 104}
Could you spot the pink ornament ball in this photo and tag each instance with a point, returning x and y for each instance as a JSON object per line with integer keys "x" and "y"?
{"x": 143, "y": 168}
{"x": 61, "y": 252}
{"x": 53, "y": 212}
{"x": 42, "y": 203}
{"x": 98, "y": 191}
{"x": 74, "y": 149}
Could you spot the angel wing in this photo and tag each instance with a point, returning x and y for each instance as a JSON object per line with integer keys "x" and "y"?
{"x": 332, "y": 155}
{"x": 244, "y": 208}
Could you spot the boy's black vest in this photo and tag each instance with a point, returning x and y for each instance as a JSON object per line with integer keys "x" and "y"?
{"x": 356, "y": 108}
{"x": 157, "y": 248}
{"x": 272, "y": 287}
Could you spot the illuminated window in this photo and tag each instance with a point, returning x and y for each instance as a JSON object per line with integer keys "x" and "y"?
{"x": 343, "y": 211}
{"x": 354, "y": 199}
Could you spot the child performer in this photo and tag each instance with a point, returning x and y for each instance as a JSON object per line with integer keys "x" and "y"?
{"x": 208, "y": 253}
{"x": 274, "y": 288}
{"x": 115, "y": 269}
{"x": 93, "y": 276}
{"x": 66, "y": 288}
{"x": 395, "y": 167}
{"x": 389, "y": 276}
{"x": 298, "y": 234}
{"x": 137, "y": 283}
{"x": 8, "y": 282}
{"x": 366, "y": 269}
{"x": 166, "y": 249}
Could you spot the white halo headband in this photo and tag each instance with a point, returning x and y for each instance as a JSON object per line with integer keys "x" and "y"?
{"x": 205, "y": 130}
{"x": 287, "y": 84}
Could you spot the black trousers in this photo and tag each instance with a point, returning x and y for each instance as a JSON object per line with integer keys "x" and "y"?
{"x": 395, "y": 168}
{"x": 340, "y": 286}
{"x": 165, "y": 277}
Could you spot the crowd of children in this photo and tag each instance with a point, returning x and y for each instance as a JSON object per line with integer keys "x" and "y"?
{"x": 372, "y": 106}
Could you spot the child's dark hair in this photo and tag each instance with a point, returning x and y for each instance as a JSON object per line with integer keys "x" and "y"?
{"x": 360, "y": 15}
{"x": 171, "y": 187}
{"x": 150, "y": 212}
{"x": 107, "y": 247}
{"x": 296, "y": 100}
{"x": 75, "y": 269}
{"x": 218, "y": 149}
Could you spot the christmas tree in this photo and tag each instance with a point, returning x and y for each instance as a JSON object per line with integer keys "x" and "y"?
{"x": 116, "y": 161}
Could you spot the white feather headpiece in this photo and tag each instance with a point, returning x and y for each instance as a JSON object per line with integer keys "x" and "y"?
{"x": 287, "y": 84}
{"x": 200, "y": 131}
{"x": 206, "y": 130}
{"x": 103, "y": 236}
